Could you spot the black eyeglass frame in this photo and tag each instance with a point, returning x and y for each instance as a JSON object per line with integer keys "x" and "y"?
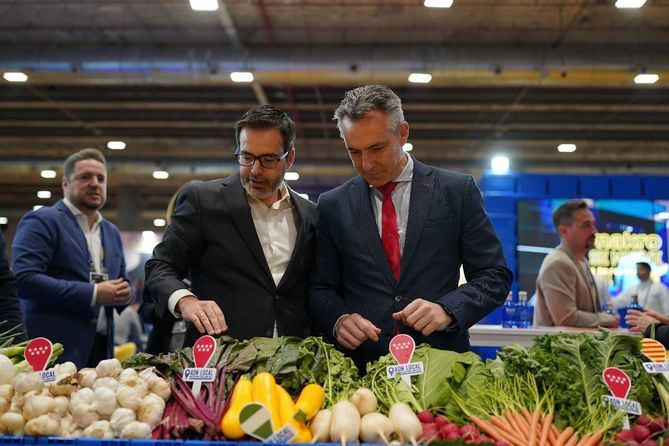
{"x": 262, "y": 159}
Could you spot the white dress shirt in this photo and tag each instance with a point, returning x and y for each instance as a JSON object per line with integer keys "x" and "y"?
{"x": 94, "y": 243}
{"x": 401, "y": 197}
{"x": 651, "y": 295}
{"x": 277, "y": 231}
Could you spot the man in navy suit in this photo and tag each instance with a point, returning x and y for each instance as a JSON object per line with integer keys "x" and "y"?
{"x": 69, "y": 264}
{"x": 391, "y": 241}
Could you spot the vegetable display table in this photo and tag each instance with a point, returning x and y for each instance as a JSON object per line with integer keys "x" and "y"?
{"x": 482, "y": 335}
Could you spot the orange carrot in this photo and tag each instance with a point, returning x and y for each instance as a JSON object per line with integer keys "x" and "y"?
{"x": 562, "y": 438}
{"x": 495, "y": 433}
{"x": 595, "y": 438}
{"x": 524, "y": 427}
{"x": 512, "y": 420}
{"x": 584, "y": 440}
{"x": 503, "y": 425}
{"x": 573, "y": 440}
{"x": 552, "y": 438}
{"x": 534, "y": 420}
{"x": 545, "y": 429}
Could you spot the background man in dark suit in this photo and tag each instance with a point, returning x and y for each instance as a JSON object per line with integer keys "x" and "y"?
{"x": 69, "y": 264}
{"x": 10, "y": 310}
{"x": 245, "y": 242}
{"x": 391, "y": 241}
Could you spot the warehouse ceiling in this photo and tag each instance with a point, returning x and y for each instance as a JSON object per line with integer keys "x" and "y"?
{"x": 516, "y": 77}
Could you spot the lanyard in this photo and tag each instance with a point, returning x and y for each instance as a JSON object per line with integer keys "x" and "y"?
{"x": 91, "y": 265}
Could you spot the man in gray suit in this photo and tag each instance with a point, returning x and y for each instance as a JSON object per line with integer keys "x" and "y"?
{"x": 566, "y": 289}
{"x": 391, "y": 241}
{"x": 244, "y": 241}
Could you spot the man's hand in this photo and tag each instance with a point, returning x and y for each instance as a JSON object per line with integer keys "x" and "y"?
{"x": 638, "y": 322}
{"x": 206, "y": 315}
{"x": 661, "y": 318}
{"x": 113, "y": 292}
{"x": 611, "y": 322}
{"x": 353, "y": 329}
{"x": 424, "y": 316}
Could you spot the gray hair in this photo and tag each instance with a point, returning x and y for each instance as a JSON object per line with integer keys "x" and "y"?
{"x": 361, "y": 102}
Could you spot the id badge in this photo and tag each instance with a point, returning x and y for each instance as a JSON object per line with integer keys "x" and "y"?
{"x": 98, "y": 277}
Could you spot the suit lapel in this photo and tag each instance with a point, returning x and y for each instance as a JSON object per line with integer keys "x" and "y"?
{"x": 363, "y": 214}
{"x": 74, "y": 230}
{"x": 586, "y": 280}
{"x": 234, "y": 197}
{"x": 301, "y": 225}
{"x": 422, "y": 194}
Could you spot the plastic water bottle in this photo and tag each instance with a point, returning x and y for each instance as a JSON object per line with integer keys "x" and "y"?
{"x": 523, "y": 311}
{"x": 509, "y": 312}
{"x": 635, "y": 305}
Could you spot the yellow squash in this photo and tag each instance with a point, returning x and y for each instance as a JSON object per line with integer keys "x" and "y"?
{"x": 309, "y": 402}
{"x": 287, "y": 415}
{"x": 264, "y": 392}
{"x": 241, "y": 396}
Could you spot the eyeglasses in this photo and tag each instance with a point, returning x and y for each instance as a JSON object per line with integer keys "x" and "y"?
{"x": 266, "y": 161}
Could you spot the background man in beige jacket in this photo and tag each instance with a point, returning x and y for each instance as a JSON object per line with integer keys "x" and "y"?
{"x": 566, "y": 290}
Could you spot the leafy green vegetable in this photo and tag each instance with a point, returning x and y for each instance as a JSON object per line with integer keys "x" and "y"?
{"x": 572, "y": 364}
{"x": 293, "y": 362}
{"x": 445, "y": 372}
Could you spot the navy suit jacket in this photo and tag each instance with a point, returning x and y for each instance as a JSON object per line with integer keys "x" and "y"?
{"x": 51, "y": 263}
{"x": 447, "y": 227}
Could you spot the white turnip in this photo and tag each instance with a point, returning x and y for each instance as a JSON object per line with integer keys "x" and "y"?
{"x": 405, "y": 422}
{"x": 345, "y": 422}
{"x": 375, "y": 428}
{"x": 320, "y": 426}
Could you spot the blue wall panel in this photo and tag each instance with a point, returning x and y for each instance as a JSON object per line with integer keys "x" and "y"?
{"x": 626, "y": 187}
{"x": 656, "y": 187}
{"x": 562, "y": 187}
{"x": 595, "y": 187}
{"x": 533, "y": 185}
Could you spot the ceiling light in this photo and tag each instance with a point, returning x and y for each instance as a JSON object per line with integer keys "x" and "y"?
{"x": 159, "y": 222}
{"x": 48, "y": 173}
{"x": 4, "y": 220}
{"x": 438, "y": 3}
{"x": 116, "y": 145}
{"x": 420, "y": 78}
{"x": 161, "y": 174}
{"x": 566, "y": 148}
{"x": 241, "y": 76}
{"x": 204, "y": 5}
{"x": 15, "y": 76}
{"x": 44, "y": 194}
{"x": 37, "y": 206}
{"x": 408, "y": 147}
{"x": 646, "y": 78}
{"x": 630, "y": 3}
{"x": 292, "y": 176}
{"x": 500, "y": 165}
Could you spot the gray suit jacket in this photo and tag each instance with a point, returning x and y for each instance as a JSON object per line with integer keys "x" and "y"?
{"x": 212, "y": 240}
{"x": 447, "y": 227}
{"x": 563, "y": 294}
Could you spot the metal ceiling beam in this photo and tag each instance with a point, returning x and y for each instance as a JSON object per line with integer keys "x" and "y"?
{"x": 290, "y": 59}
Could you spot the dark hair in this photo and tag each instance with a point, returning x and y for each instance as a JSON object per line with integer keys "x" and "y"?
{"x": 363, "y": 101}
{"x": 645, "y": 265}
{"x": 265, "y": 117}
{"x": 564, "y": 213}
{"x": 83, "y": 154}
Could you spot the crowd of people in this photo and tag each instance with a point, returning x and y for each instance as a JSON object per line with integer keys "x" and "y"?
{"x": 247, "y": 256}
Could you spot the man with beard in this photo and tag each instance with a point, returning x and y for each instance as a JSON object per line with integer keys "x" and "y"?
{"x": 566, "y": 289}
{"x": 244, "y": 242}
{"x": 69, "y": 264}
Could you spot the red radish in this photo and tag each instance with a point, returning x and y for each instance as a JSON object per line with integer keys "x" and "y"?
{"x": 655, "y": 426}
{"x": 426, "y": 417}
{"x": 625, "y": 435}
{"x": 649, "y": 442}
{"x": 441, "y": 421}
{"x": 643, "y": 420}
{"x": 632, "y": 443}
{"x": 501, "y": 443}
{"x": 640, "y": 433}
{"x": 449, "y": 428}
{"x": 452, "y": 436}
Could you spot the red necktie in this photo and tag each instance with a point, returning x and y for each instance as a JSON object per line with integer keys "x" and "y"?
{"x": 390, "y": 236}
